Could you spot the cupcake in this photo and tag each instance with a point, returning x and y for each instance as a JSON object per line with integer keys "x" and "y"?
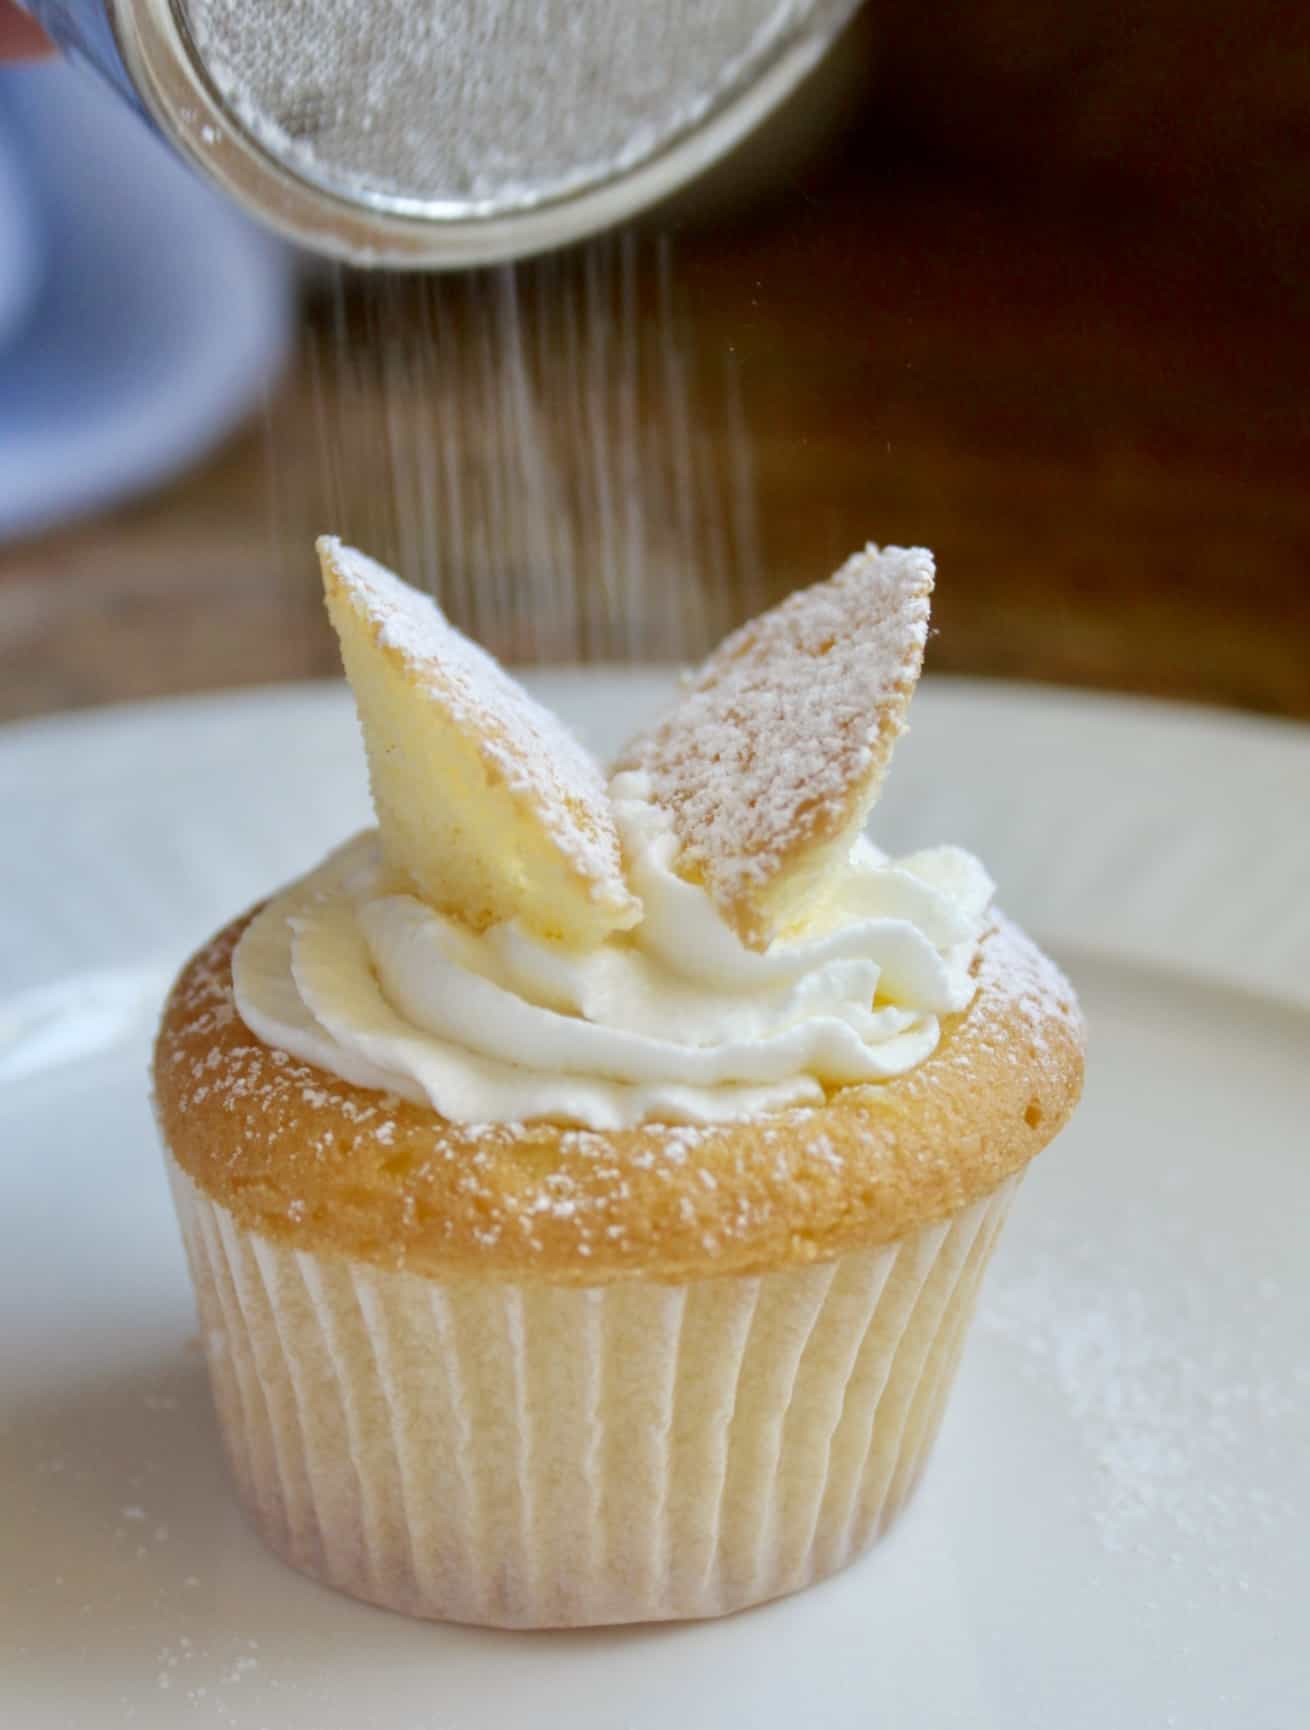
{"x": 587, "y": 1182}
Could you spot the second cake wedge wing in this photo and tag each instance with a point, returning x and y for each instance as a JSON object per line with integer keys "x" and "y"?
{"x": 770, "y": 763}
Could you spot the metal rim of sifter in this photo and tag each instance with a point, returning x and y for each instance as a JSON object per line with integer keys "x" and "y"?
{"x": 159, "y": 51}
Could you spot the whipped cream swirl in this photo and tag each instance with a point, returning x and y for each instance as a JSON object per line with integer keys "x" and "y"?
{"x": 673, "y": 1021}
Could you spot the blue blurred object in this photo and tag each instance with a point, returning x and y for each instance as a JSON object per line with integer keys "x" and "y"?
{"x": 140, "y": 315}
{"x": 81, "y": 30}
{"x": 20, "y": 244}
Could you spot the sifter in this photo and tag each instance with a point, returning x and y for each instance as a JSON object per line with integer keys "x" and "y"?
{"x": 435, "y": 133}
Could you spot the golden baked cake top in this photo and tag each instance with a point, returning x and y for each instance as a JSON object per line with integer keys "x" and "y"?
{"x": 305, "y": 1158}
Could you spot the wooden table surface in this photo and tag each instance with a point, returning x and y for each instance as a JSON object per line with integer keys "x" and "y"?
{"x": 1102, "y": 434}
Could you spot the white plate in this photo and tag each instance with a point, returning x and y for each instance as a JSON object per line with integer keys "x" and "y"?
{"x": 1109, "y": 1533}
{"x": 152, "y": 313}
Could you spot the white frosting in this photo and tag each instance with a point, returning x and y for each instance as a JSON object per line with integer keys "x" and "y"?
{"x": 673, "y": 1021}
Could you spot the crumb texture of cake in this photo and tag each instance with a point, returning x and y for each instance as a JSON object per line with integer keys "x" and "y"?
{"x": 486, "y": 802}
{"x": 306, "y": 1159}
{"x": 772, "y": 760}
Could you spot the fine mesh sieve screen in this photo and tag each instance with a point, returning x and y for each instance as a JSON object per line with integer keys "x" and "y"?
{"x": 480, "y": 106}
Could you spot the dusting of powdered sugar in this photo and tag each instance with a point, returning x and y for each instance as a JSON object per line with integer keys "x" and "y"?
{"x": 233, "y": 1075}
{"x": 783, "y": 736}
{"x": 1164, "y": 1381}
{"x": 522, "y": 744}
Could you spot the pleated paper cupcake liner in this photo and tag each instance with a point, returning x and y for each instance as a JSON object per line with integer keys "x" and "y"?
{"x": 540, "y": 1456}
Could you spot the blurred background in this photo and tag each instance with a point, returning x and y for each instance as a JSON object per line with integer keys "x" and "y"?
{"x": 1026, "y": 284}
